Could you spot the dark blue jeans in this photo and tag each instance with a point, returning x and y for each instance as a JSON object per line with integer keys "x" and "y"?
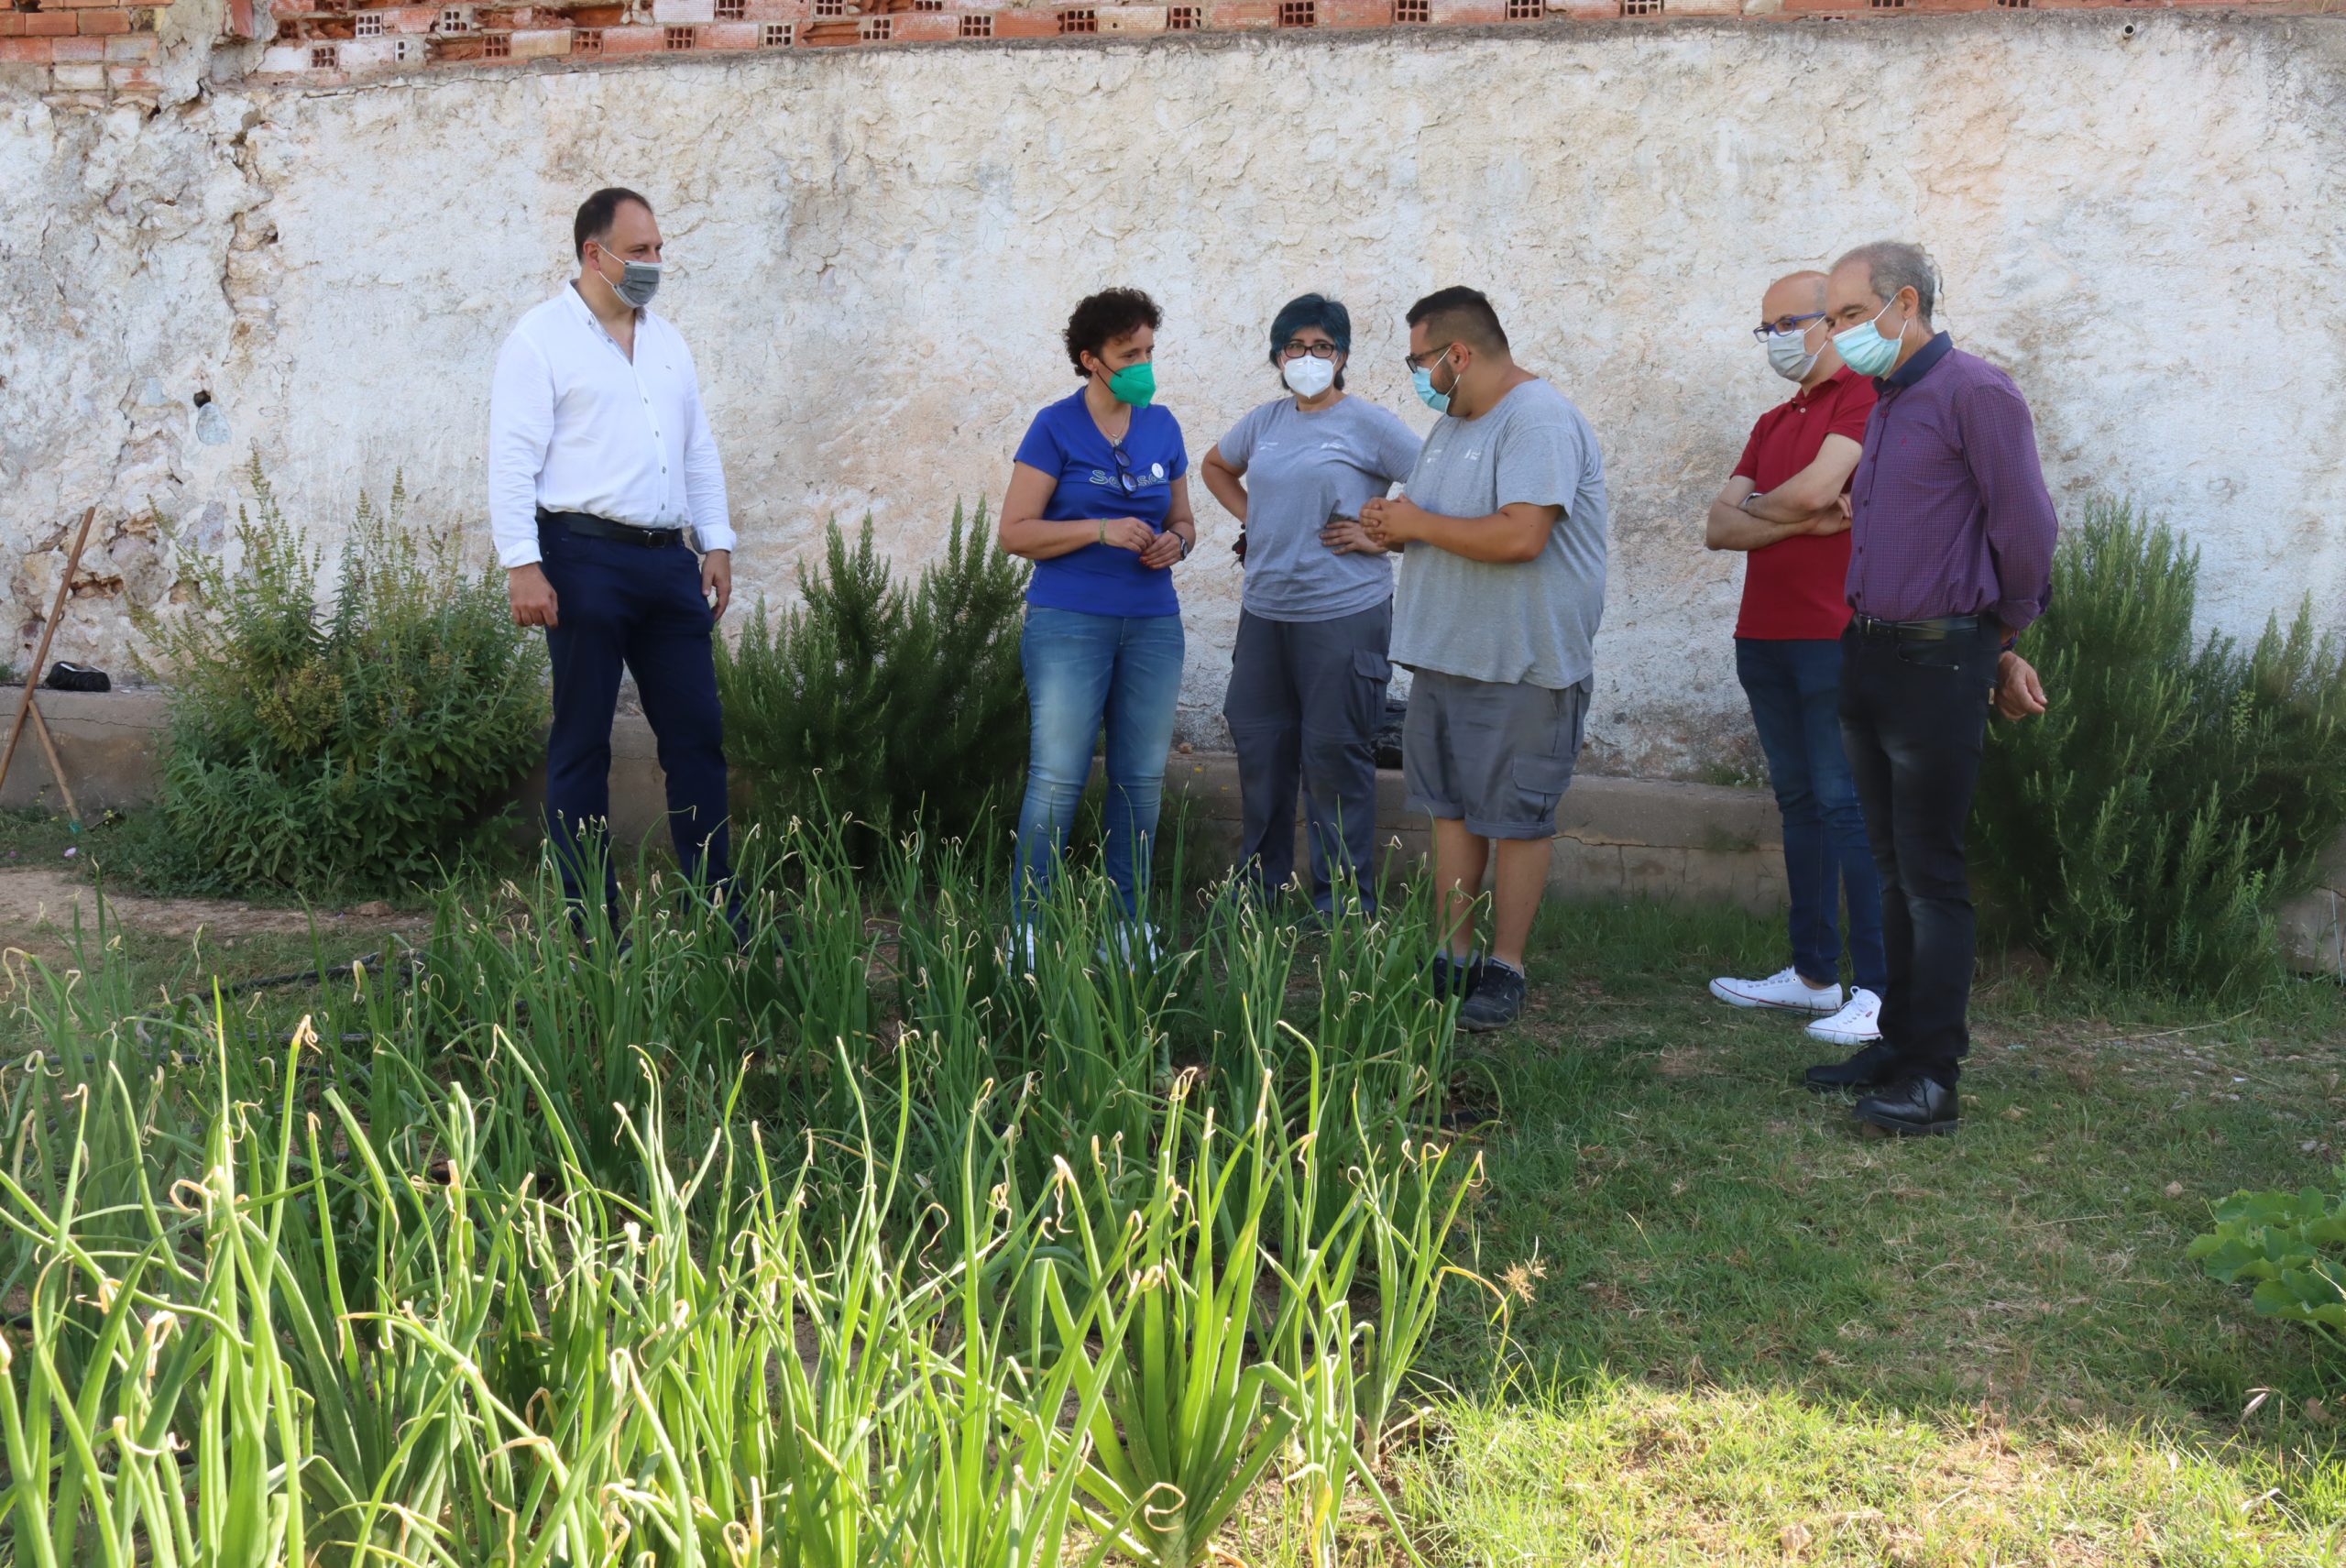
{"x": 1796, "y": 692}
{"x": 623, "y": 605}
{"x": 1083, "y": 670}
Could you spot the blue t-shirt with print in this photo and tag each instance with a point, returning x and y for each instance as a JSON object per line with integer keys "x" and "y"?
{"x": 1104, "y": 579}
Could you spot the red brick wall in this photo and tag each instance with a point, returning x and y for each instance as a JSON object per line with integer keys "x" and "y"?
{"x": 97, "y": 47}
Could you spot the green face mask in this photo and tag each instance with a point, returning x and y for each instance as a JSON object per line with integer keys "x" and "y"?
{"x": 1135, "y": 384}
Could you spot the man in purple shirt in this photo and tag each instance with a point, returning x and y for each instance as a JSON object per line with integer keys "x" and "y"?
{"x": 1950, "y": 558}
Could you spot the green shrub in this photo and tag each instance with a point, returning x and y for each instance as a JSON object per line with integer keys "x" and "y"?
{"x": 350, "y": 750}
{"x": 2144, "y": 830}
{"x": 2291, "y": 1247}
{"x": 877, "y": 702}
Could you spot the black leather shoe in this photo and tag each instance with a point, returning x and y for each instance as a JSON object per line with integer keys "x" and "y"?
{"x": 1916, "y": 1108}
{"x": 1871, "y": 1068}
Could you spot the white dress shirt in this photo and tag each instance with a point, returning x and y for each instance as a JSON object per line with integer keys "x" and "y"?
{"x": 575, "y": 425}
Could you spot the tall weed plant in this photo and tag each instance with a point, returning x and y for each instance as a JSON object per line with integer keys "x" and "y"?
{"x": 2147, "y": 827}
{"x": 879, "y": 700}
{"x": 351, "y": 746}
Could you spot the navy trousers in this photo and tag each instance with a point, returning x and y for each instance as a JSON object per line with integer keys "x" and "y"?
{"x": 623, "y": 605}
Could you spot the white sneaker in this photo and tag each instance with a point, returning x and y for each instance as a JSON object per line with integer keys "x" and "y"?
{"x": 1859, "y": 1024}
{"x": 1785, "y": 990}
{"x": 1148, "y": 953}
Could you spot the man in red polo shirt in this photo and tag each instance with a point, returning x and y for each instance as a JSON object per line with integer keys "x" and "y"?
{"x": 1785, "y": 507}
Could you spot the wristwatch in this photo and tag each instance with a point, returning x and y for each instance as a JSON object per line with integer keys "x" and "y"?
{"x": 1745, "y": 504}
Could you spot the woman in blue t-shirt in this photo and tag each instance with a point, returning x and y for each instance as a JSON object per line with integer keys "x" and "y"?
{"x": 1309, "y": 673}
{"x": 1099, "y": 501}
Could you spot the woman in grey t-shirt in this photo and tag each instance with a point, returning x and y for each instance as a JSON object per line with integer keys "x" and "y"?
{"x": 1309, "y": 674}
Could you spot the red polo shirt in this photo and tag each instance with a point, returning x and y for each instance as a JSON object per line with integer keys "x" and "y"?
{"x": 1797, "y": 587}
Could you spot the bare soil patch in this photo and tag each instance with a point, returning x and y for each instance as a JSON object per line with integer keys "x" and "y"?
{"x": 37, "y": 906}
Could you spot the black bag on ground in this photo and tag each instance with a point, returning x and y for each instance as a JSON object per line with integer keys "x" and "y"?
{"x": 66, "y": 677}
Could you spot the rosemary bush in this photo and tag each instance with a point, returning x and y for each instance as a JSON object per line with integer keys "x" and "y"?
{"x": 352, "y": 749}
{"x": 2145, "y": 827}
{"x": 880, "y": 701}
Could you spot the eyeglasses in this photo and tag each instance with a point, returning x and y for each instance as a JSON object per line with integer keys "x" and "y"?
{"x": 1297, "y": 348}
{"x": 1123, "y": 468}
{"x": 1784, "y": 324}
{"x": 1417, "y": 362}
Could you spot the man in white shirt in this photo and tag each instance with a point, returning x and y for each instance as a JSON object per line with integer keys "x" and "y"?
{"x": 603, "y": 477}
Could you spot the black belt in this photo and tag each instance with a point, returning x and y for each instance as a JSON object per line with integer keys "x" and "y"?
{"x": 594, "y": 527}
{"x": 1935, "y": 631}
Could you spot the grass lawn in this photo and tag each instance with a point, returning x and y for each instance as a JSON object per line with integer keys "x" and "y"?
{"x": 1743, "y": 1332}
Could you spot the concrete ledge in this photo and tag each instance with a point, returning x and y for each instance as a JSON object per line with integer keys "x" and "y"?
{"x": 1615, "y": 838}
{"x": 1618, "y": 838}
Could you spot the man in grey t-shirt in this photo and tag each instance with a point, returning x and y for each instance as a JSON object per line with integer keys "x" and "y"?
{"x": 1501, "y": 590}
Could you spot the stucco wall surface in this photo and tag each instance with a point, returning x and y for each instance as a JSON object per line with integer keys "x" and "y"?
{"x": 2142, "y": 218}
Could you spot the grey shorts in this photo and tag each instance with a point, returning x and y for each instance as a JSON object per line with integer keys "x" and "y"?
{"x": 1496, "y": 757}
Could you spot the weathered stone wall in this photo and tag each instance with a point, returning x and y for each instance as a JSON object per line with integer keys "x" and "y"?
{"x": 2140, "y": 215}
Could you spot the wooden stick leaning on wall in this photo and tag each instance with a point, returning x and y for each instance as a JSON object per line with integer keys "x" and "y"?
{"x": 26, "y": 708}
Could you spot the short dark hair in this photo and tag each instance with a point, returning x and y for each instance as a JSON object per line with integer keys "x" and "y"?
{"x": 1459, "y": 315}
{"x": 1103, "y": 317}
{"x": 1311, "y": 310}
{"x": 595, "y": 215}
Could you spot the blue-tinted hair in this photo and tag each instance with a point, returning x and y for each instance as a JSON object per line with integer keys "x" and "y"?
{"x": 1313, "y": 310}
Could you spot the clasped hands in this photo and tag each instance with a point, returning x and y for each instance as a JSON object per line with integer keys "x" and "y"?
{"x": 1157, "y": 550}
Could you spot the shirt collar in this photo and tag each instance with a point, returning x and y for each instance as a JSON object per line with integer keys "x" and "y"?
{"x": 1917, "y": 367}
{"x": 583, "y": 312}
{"x": 1804, "y": 396}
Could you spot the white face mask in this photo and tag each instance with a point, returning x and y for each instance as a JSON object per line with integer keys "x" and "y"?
{"x": 1789, "y": 352}
{"x": 1309, "y": 376}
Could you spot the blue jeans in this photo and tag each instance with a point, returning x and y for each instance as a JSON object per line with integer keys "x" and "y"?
{"x": 1083, "y": 670}
{"x": 1796, "y": 692}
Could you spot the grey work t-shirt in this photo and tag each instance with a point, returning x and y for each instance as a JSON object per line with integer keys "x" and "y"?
{"x": 1530, "y": 623}
{"x": 1302, "y": 469}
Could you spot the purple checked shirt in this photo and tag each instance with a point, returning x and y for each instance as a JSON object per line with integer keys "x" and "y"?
{"x": 1949, "y": 513}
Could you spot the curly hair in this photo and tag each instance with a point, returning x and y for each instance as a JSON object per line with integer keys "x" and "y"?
{"x": 1104, "y": 317}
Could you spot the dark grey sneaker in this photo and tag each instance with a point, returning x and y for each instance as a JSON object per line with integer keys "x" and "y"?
{"x": 1497, "y": 1000}
{"x": 1456, "y": 977}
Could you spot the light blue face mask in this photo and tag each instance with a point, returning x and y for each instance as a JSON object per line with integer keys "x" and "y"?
{"x": 1865, "y": 350}
{"x": 1423, "y": 376}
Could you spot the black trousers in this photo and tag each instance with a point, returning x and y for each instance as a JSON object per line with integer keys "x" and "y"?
{"x": 621, "y": 605}
{"x": 1914, "y": 717}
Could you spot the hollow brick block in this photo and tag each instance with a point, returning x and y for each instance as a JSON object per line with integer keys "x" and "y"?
{"x": 634, "y": 41}
{"x": 1355, "y": 13}
{"x": 925, "y": 27}
{"x": 1462, "y": 13}
{"x": 1241, "y": 15}
{"x": 1026, "y": 22}
{"x": 1704, "y": 9}
{"x": 682, "y": 13}
{"x": 541, "y": 43}
{"x": 726, "y": 35}
{"x": 104, "y": 22}
{"x": 1131, "y": 18}
{"x": 411, "y": 18}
